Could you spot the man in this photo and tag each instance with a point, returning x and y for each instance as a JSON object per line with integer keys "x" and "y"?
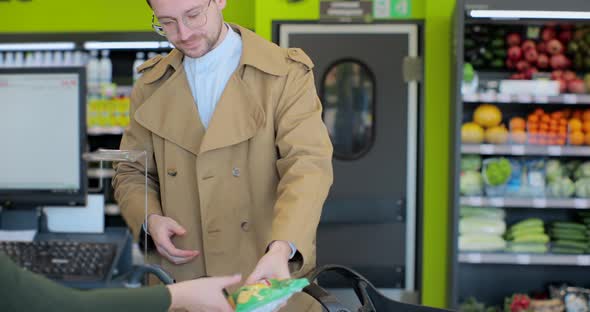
{"x": 25, "y": 291}
{"x": 241, "y": 160}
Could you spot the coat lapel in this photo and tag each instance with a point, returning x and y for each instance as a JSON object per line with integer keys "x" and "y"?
{"x": 237, "y": 117}
{"x": 170, "y": 112}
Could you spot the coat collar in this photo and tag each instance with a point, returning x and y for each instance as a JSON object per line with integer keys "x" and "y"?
{"x": 171, "y": 113}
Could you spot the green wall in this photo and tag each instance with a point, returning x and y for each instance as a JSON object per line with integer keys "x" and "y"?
{"x": 134, "y": 15}
{"x": 95, "y": 15}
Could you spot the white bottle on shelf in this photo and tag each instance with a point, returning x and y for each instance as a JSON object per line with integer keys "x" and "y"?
{"x": 9, "y": 59}
{"x": 38, "y": 59}
{"x": 139, "y": 59}
{"x": 58, "y": 59}
{"x": 78, "y": 58}
{"x": 93, "y": 72}
{"x": 19, "y": 59}
{"x": 47, "y": 59}
{"x": 106, "y": 68}
{"x": 68, "y": 58}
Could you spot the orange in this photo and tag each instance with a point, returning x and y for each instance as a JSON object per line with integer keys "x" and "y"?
{"x": 539, "y": 112}
{"x": 518, "y": 136}
{"x": 586, "y": 126}
{"x": 576, "y": 138}
{"x": 517, "y": 123}
{"x": 586, "y": 115}
{"x": 545, "y": 118}
{"x": 575, "y": 125}
{"x": 563, "y": 122}
{"x": 557, "y": 115}
{"x": 533, "y": 118}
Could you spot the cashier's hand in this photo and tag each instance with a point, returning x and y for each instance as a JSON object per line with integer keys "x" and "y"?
{"x": 203, "y": 294}
{"x": 162, "y": 229}
{"x": 274, "y": 264}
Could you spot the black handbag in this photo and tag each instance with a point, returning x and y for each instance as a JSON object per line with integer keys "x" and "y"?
{"x": 370, "y": 298}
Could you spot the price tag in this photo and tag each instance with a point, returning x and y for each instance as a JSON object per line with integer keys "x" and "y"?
{"x": 475, "y": 201}
{"x": 470, "y": 97}
{"x": 554, "y": 150}
{"x": 523, "y": 259}
{"x": 517, "y": 149}
{"x": 486, "y": 149}
{"x": 583, "y": 260}
{"x": 488, "y": 97}
{"x": 474, "y": 258}
{"x": 570, "y": 99}
{"x": 541, "y": 99}
{"x": 497, "y": 202}
{"x": 580, "y": 203}
{"x": 504, "y": 98}
{"x": 539, "y": 203}
{"x": 524, "y": 98}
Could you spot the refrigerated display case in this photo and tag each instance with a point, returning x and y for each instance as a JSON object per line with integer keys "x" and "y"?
{"x": 521, "y": 154}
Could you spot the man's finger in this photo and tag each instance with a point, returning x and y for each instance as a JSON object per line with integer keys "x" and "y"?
{"x": 176, "y": 228}
{"x": 167, "y": 245}
{"x": 255, "y": 276}
{"x": 226, "y": 281}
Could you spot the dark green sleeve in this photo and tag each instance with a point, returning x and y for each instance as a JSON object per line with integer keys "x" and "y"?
{"x": 21, "y": 290}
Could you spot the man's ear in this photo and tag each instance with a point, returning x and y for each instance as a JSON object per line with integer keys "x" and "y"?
{"x": 221, "y": 4}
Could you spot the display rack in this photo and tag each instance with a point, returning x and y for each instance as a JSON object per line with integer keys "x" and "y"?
{"x": 492, "y": 276}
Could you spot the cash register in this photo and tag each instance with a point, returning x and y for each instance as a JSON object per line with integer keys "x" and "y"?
{"x": 43, "y": 136}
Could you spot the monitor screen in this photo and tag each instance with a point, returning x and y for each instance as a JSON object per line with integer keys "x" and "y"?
{"x": 42, "y": 136}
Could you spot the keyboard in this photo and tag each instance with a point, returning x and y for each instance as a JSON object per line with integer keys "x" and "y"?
{"x": 63, "y": 260}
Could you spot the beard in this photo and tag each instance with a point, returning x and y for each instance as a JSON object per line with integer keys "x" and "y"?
{"x": 209, "y": 40}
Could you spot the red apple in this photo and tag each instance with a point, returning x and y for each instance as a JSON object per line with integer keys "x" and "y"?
{"x": 522, "y": 66}
{"x": 528, "y": 74}
{"x": 562, "y": 85}
{"x": 515, "y": 53}
{"x": 513, "y": 39}
{"x": 569, "y": 75}
{"x": 548, "y": 33}
{"x": 531, "y": 55}
{"x": 543, "y": 61}
{"x": 510, "y": 64}
{"x": 554, "y": 47}
{"x": 565, "y": 36}
{"x": 559, "y": 61}
{"x": 541, "y": 47}
{"x": 556, "y": 74}
{"x": 576, "y": 86}
{"x": 528, "y": 45}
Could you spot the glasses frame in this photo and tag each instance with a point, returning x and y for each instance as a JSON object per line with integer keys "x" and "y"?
{"x": 159, "y": 29}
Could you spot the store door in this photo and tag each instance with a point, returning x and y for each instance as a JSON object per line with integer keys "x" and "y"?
{"x": 372, "y": 115}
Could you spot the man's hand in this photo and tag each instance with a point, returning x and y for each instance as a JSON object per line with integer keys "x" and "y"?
{"x": 202, "y": 295}
{"x": 162, "y": 229}
{"x": 272, "y": 265}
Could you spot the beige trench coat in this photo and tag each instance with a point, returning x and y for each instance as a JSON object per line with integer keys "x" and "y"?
{"x": 259, "y": 173}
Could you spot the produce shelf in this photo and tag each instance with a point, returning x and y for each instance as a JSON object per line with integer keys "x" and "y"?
{"x": 523, "y": 259}
{"x": 513, "y": 202}
{"x": 566, "y": 99}
{"x": 518, "y": 150}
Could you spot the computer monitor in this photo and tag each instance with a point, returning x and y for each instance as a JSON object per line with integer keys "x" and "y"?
{"x": 42, "y": 137}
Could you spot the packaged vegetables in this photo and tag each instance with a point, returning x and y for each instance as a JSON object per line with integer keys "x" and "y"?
{"x": 265, "y": 296}
{"x": 481, "y": 229}
{"x": 524, "y": 177}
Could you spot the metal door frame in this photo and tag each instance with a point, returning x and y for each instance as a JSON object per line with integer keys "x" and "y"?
{"x": 281, "y": 31}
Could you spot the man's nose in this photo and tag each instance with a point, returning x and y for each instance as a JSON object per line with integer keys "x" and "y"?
{"x": 183, "y": 31}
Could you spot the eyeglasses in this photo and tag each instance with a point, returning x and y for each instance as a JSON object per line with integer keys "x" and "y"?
{"x": 169, "y": 26}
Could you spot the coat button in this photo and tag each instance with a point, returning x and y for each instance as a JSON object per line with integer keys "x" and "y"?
{"x": 245, "y": 226}
{"x": 235, "y": 172}
{"x": 172, "y": 172}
